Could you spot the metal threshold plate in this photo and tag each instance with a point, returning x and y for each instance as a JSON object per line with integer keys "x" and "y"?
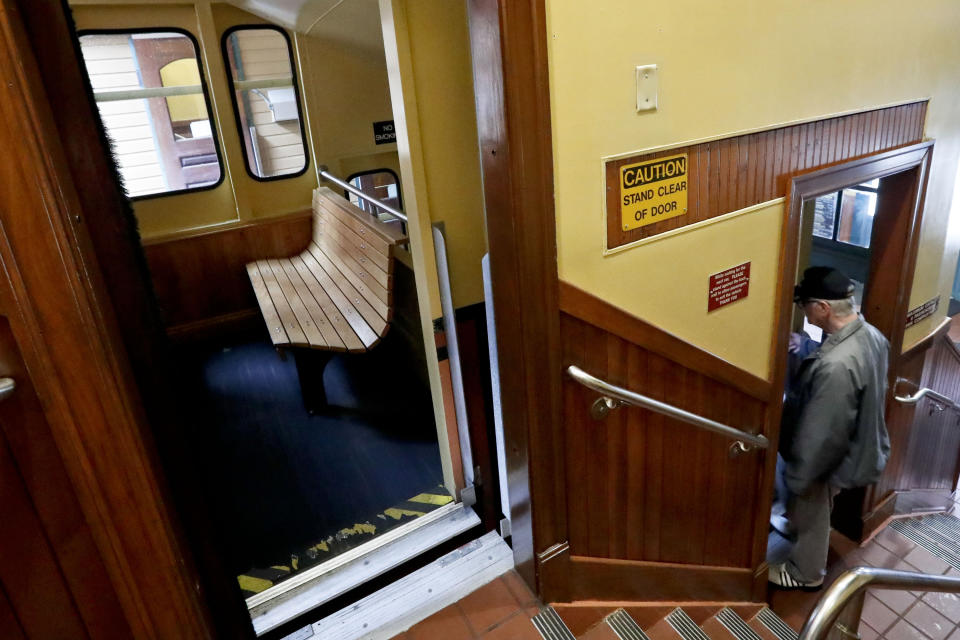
{"x": 322, "y": 583}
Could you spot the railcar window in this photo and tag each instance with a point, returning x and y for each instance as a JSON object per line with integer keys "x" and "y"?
{"x": 847, "y": 216}
{"x": 382, "y": 184}
{"x": 153, "y": 102}
{"x": 266, "y": 101}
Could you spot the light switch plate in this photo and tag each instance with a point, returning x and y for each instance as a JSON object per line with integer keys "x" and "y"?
{"x": 648, "y": 85}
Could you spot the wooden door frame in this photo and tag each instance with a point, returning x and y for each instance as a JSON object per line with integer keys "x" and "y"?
{"x": 93, "y": 368}
{"x": 908, "y": 169}
{"x": 511, "y": 82}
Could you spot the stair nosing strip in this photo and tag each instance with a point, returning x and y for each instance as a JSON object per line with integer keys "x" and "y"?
{"x": 776, "y": 625}
{"x": 693, "y": 632}
{"x": 624, "y": 626}
{"x": 736, "y": 625}
{"x": 551, "y": 626}
{"x": 910, "y": 533}
{"x": 946, "y": 542}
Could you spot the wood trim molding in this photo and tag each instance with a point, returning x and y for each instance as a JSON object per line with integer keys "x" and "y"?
{"x": 927, "y": 341}
{"x": 606, "y": 316}
{"x": 648, "y": 581}
{"x": 511, "y": 80}
{"x": 232, "y": 225}
{"x": 61, "y": 315}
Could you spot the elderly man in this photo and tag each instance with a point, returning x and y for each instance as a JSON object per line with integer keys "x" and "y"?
{"x": 833, "y": 434}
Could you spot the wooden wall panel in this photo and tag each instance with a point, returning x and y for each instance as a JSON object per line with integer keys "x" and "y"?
{"x": 644, "y": 487}
{"x": 925, "y": 441}
{"x": 733, "y": 173}
{"x": 200, "y": 278}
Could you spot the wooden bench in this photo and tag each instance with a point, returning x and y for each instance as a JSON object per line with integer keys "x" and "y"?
{"x": 336, "y": 296}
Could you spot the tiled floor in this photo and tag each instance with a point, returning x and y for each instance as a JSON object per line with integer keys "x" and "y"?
{"x": 887, "y": 614}
{"x": 501, "y": 610}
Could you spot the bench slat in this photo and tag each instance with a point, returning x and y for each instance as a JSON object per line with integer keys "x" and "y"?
{"x": 375, "y": 279}
{"x": 357, "y": 284}
{"x": 351, "y": 326}
{"x": 355, "y": 244}
{"x": 307, "y": 325}
{"x": 330, "y": 213}
{"x": 374, "y": 317}
{"x": 278, "y": 334}
{"x": 389, "y": 233}
{"x": 331, "y": 339}
{"x": 287, "y": 317}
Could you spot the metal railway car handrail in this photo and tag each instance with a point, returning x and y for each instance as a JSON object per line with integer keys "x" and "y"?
{"x": 854, "y": 581}
{"x": 925, "y": 392}
{"x": 614, "y": 397}
{"x": 326, "y": 175}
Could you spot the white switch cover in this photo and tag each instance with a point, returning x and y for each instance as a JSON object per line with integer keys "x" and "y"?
{"x": 647, "y": 87}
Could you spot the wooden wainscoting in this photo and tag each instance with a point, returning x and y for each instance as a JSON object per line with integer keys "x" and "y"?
{"x": 757, "y": 164}
{"x": 647, "y": 495}
{"x": 925, "y": 442}
{"x": 201, "y": 280}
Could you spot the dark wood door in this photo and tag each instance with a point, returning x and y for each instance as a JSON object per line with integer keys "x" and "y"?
{"x": 48, "y": 560}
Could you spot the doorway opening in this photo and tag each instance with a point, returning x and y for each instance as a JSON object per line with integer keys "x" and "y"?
{"x": 863, "y": 218}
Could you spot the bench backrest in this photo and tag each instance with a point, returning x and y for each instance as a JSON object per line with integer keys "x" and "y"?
{"x": 358, "y": 245}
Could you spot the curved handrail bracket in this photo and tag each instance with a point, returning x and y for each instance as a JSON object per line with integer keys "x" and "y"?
{"x": 850, "y": 583}
{"x": 613, "y": 397}
{"x": 926, "y": 392}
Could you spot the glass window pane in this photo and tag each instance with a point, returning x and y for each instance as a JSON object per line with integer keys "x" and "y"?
{"x": 152, "y": 101}
{"x": 824, "y": 212}
{"x": 266, "y": 101}
{"x": 856, "y": 217}
{"x": 382, "y": 184}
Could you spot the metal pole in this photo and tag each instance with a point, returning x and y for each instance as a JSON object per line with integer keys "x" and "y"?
{"x": 326, "y": 175}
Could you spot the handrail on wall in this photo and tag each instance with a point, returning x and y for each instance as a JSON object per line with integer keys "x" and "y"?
{"x": 854, "y": 581}
{"x": 326, "y": 175}
{"x": 614, "y": 397}
{"x": 926, "y": 392}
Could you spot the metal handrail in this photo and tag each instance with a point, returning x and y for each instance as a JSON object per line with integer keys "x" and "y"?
{"x": 614, "y": 397}
{"x": 326, "y": 175}
{"x": 925, "y": 392}
{"x": 852, "y": 582}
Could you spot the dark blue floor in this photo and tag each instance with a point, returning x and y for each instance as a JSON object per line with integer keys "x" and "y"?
{"x": 279, "y": 479}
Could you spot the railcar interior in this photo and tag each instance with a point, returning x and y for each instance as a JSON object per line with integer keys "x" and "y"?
{"x": 470, "y": 319}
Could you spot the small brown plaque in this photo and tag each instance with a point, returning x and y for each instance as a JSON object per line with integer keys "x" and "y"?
{"x": 728, "y": 286}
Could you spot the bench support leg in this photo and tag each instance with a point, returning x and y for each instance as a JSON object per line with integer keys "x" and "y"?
{"x": 310, "y": 366}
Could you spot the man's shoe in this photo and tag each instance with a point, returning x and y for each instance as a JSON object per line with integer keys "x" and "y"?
{"x": 779, "y": 576}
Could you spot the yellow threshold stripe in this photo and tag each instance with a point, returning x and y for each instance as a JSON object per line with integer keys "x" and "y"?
{"x": 254, "y": 585}
{"x": 396, "y": 513}
{"x": 431, "y": 498}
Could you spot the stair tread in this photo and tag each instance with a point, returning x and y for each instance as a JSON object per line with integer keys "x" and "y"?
{"x": 775, "y": 624}
{"x": 685, "y": 626}
{"x": 716, "y": 631}
{"x": 551, "y": 626}
{"x": 663, "y": 631}
{"x": 625, "y": 627}
{"x": 600, "y": 631}
{"x": 735, "y": 625}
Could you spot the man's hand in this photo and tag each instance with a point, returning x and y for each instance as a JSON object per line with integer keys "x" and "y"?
{"x": 796, "y": 341}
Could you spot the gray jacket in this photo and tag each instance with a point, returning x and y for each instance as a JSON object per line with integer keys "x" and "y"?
{"x": 833, "y": 427}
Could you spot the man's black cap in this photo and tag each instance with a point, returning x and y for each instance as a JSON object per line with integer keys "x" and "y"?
{"x": 823, "y": 283}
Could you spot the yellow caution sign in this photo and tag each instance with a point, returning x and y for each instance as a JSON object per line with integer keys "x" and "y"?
{"x": 653, "y": 190}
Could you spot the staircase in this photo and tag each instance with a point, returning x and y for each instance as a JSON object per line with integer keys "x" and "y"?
{"x": 698, "y": 622}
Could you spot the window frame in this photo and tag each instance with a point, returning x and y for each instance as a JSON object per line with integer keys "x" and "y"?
{"x": 294, "y": 71}
{"x": 206, "y": 99}
{"x": 367, "y": 172}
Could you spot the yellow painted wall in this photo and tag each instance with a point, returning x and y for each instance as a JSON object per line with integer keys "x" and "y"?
{"x": 727, "y": 68}
{"x": 443, "y": 80}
